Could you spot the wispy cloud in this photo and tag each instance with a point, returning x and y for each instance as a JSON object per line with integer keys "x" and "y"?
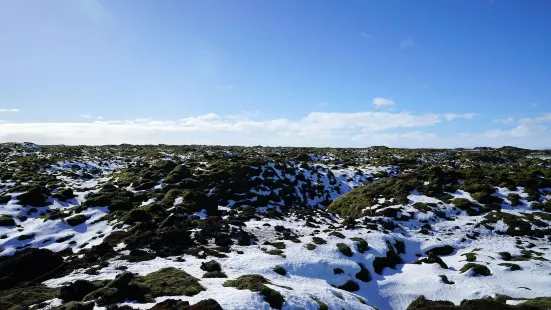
{"x": 408, "y": 43}
{"x": 454, "y": 116}
{"x": 528, "y": 136}
{"x": 366, "y": 35}
{"x": 85, "y": 116}
{"x": 323, "y": 104}
{"x": 99, "y": 118}
{"x": 507, "y": 120}
{"x": 10, "y": 110}
{"x": 380, "y": 102}
{"x": 315, "y": 129}
{"x": 536, "y": 120}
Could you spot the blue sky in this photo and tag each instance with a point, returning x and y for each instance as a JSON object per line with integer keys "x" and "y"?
{"x": 312, "y": 73}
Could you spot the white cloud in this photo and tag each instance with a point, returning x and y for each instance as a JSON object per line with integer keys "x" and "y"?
{"x": 527, "y": 136}
{"x": 99, "y": 118}
{"x": 322, "y": 104}
{"x": 408, "y": 43}
{"x": 383, "y": 102}
{"x": 10, "y": 110}
{"x": 453, "y": 116}
{"x": 508, "y": 120}
{"x": 85, "y": 116}
{"x": 544, "y": 118}
{"x": 535, "y": 120}
{"x": 316, "y": 129}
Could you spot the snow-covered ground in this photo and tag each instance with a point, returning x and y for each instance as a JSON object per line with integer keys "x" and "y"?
{"x": 310, "y": 273}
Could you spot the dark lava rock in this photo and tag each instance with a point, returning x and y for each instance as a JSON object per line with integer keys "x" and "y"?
{"x": 171, "y": 304}
{"x": 211, "y": 266}
{"x": 77, "y": 290}
{"x": 29, "y": 265}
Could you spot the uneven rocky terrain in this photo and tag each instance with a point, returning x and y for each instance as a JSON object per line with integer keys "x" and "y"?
{"x": 204, "y": 227}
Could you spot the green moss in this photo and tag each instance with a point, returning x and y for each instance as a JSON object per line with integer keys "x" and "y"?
{"x": 350, "y": 204}
{"x": 350, "y": 286}
{"x": 515, "y": 199}
{"x": 486, "y": 198}
{"x": 421, "y": 303}
{"x": 280, "y": 270}
{"x": 105, "y": 296}
{"x": 321, "y": 304}
{"x": 276, "y": 252}
{"x": 171, "y": 282}
{"x": 390, "y": 260}
{"x": 76, "y": 306}
{"x": 485, "y": 303}
{"x": 432, "y": 259}
{"x": 5, "y": 199}
{"x": 364, "y": 274}
{"x": 344, "y": 249}
{"x": 359, "y": 201}
{"x": 36, "y": 196}
{"x": 517, "y": 226}
{"x": 26, "y": 296}
{"x": 498, "y": 303}
{"x": 112, "y": 197}
{"x": 506, "y": 256}
{"x": 215, "y": 274}
{"x": 511, "y": 266}
{"x": 337, "y": 234}
{"x": 6, "y": 220}
{"x": 463, "y": 204}
{"x": 256, "y": 283}
{"x": 543, "y": 215}
{"x": 525, "y": 256}
{"x": 77, "y": 219}
{"x": 400, "y": 247}
{"x": 445, "y": 279}
{"x": 318, "y": 240}
{"x": 26, "y": 237}
{"x": 361, "y": 244}
{"x": 64, "y": 194}
{"x": 311, "y": 246}
{"x": 530, "y": 254}
{"x": 442, "y": 250}
{"x": 539, "y": 303}
{"x": 177, "y": 174}
{"x": 477, "y": 269}
{"x": 64, "y": 238}
{"x": 278, "y": 245}
{"x": 471, "y": 257}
